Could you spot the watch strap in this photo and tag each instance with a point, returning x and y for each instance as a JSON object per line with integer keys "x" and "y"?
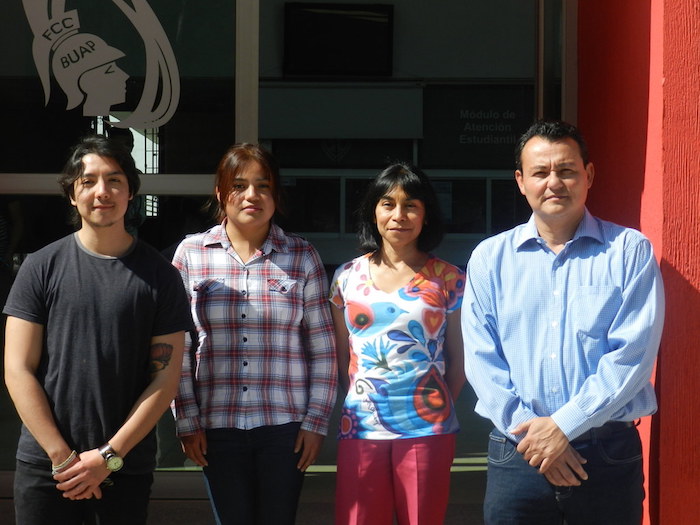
{"x": 106, "y": 450}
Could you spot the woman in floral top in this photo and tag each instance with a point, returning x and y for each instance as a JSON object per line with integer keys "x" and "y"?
{"x": 400, "y": 358}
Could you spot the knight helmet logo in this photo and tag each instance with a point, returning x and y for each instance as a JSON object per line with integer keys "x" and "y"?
{"x": 86, "y": 69}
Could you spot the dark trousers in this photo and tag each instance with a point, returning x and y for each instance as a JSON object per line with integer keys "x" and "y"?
{"x": 39, "y": 502}
{"x": 252, "y": 475}
{"x": 517, "y": 494}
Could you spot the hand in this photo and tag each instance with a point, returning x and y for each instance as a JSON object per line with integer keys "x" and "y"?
{"x": 566, "y": 470}
{"x": 544, "y": 442}
{"x": 81, "y": 480}
{"x": 309, "y": 443}
{"x": 195, "y": 447}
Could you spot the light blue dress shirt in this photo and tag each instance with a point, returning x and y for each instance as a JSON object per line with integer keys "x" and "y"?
{"x": 572, "y": 335}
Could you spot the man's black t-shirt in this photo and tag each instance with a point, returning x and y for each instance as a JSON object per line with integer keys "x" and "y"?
{"x": 99, "y": 315}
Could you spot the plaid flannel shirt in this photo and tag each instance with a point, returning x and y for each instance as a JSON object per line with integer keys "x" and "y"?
{"x": 266, "y": 348}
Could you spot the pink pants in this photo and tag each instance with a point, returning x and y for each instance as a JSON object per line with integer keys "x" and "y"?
{"x": 407, "y": 477}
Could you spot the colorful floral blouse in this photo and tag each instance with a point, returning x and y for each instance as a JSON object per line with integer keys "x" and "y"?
{"x": 397, "y": 366}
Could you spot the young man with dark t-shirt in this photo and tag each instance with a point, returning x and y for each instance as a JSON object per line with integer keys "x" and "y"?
{"x": 94, "y": 343}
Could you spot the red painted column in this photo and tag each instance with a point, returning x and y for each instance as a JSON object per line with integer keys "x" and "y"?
{"x": 652, "y": 223}
{"x": 639, "y": 106}
{"x": 613, "y": 100}
{"x": 678, "y": 479}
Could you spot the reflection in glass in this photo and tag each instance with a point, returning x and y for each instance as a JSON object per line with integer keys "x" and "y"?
{"x": 178, "y": 216}
{"x": 340, "y": 153}
{"x": 310, "y": 205}
{"x": 509, "y": 207}
{"x": 463, "y": 204}
{"x": 354, "y": 192}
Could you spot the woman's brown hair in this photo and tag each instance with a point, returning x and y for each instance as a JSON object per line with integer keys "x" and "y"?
{"x": 235, "y": 161}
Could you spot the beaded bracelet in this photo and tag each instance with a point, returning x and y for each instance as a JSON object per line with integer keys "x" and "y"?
{"x": 55, "y": 469}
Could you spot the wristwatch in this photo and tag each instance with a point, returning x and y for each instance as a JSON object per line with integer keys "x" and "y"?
{"x": 113, "y": 460}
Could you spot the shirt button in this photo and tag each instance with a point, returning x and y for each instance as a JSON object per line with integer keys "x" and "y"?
{"x": 245, "y": 363}
{"x": 556, "y": 293}
{"x": 553, "y": 356}
{"x": 243, "y": 292}
{"x": 555, "y": 389}
{"x": 555, "y": 324}
{"x": 242, "y": 316}
{"x": 245, "y": 389}
{"x": 245, "y": 339}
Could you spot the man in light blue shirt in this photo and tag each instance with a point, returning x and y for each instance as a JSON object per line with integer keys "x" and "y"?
{"x": 561, "y": 319}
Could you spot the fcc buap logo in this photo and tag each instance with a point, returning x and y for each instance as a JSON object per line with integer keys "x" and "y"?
{"x": 86, "y": 69}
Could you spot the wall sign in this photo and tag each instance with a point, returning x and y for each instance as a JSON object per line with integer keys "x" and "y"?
{"x": 474, "y": 126}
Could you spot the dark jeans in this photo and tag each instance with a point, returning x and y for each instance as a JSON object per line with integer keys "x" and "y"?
{"x": 252, "y": 475}
{"x": 517, "y": 494}
{"x": 39, "y": 502}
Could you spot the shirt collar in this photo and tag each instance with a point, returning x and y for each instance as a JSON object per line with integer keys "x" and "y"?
{"x": 276, "y": 239}
{"x": 588, "y": 227}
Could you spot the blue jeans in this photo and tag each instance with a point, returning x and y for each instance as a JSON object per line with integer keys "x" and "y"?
{"x": 252, "y": 475}
{"x": 517, "y": 494}
{"x": 38, "y": 502}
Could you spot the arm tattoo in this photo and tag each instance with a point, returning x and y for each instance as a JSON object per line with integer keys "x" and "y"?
{"x": 160, "y": 356}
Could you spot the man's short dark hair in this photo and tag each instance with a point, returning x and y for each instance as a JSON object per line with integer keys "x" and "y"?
{"x": 103, "y": 147}
{"x": 552, "y": 131}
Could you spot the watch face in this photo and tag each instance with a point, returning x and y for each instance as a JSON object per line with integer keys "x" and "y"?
{"x": 114, "y": 463}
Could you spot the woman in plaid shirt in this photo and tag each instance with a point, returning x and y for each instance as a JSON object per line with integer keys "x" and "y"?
{"x": 255, "y": 399}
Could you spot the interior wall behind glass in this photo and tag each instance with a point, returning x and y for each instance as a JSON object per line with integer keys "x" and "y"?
{"x": 482, "y": 53}
{"x": 456, "y": 39}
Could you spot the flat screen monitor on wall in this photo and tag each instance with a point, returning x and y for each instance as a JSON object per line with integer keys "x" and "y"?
{"x": 338, "y": 40}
